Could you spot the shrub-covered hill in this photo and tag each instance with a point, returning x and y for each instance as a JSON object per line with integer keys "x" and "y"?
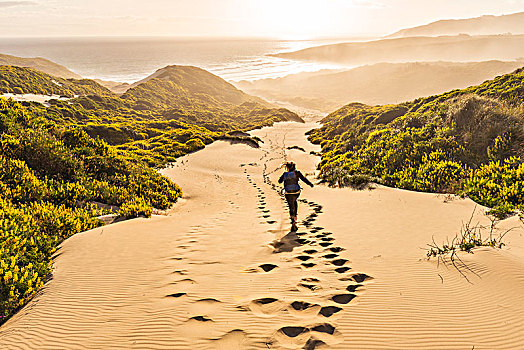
{"x": 465, "y": 141}
{"x": 59, "y": 165}
{"x": 194, "y": 95}
{"x": 189, "y": 84}
{"x": 20, "y": 80}
{"x": 177, "y": 110}
{"x": 52, "y": 180}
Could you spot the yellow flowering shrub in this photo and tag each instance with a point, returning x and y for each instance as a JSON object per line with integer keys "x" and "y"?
{"x": 29, "y": 235}
{"x": 49, "y": 179}
{"x": 466, "y": 141}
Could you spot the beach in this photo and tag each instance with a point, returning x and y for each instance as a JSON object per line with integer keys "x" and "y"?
{"x": 221, "y": 270}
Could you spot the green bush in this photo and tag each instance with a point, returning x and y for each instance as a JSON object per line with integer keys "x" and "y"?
{"x": 48, "y": 179}
{"x": 465, "y": 141}
{"x": 135, "y": 208}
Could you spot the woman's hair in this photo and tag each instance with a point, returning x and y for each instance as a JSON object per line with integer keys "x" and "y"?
{"x": 290, "y": 166}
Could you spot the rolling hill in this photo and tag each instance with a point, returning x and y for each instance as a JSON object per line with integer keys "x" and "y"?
{"x": 484, "y": 25}
{"x": 189, "y": 85}
{"x": 19, "y": 80}
{"x": 459, "y": 48}
{"x": 177, "y": 110}
{"x": 381, "y": 83}
{"x": 40, "y": 64}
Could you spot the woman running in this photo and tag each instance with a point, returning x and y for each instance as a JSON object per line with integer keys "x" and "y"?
{"x": 292, "y": 189}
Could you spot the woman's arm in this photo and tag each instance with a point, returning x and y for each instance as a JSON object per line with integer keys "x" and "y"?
{"x": 281, "y": 179}
{"x": 303, "y": 178}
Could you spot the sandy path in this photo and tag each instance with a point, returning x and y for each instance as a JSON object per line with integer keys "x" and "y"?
{"x": 221, "y": 271}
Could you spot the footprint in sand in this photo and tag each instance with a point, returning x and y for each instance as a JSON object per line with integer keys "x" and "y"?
{"x": 343, "y": 298}
{"x": 182, "y": 286}
{"x": 353, "y": 288}
{"x": 360, "y": 277}
{"x": 176, "y": 295}
{"x": 198, "y": 326}
{"x": 339, "y": 262}
{"x": 303, "y": 241}
{"x": 308, "y": 286}
{"x": 325, "y": 333}
{"x": 266, "y": 307}
{"x": 236, "y": 339}
{"x": 293, "y": 331}
{"x": 328, "y": 311}
{"x": 201, "y": 319}
{"x": 208, "y": 307}
{"x": 309, "y": 338}
{"x": 180, "y": 272}
{"x": 303, "y": 309}
{"x": 324, "y": 328}
{"x": 336, "y": 249}
{"x": 304, "y": 258}
{"x": 268, "y": 267}
{"x": 313, "y": 344}
{"x": 330, "y": 256}
{"x": 342, "y": 269}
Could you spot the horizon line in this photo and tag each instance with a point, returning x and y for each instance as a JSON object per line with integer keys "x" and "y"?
{"x": 200, "y": 37}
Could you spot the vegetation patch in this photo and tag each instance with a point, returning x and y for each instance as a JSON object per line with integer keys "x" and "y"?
{"x": 20, "y": 80}
{"x": 61, "y": 165}
{"x": 470, "y": 236}
{"x": 50, "y": 180}
{"x": 466, "y": 141}
{"x": 178, "y": 110}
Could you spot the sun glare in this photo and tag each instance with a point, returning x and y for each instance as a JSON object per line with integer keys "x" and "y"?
{"x": 293, "y": 19}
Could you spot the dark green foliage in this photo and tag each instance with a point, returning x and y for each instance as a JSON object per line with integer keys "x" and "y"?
{"x": 464, "y": 141}
{"x": 19, "y": 80}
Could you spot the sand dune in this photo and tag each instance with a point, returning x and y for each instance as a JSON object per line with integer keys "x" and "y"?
{"x": 222, "y": 271}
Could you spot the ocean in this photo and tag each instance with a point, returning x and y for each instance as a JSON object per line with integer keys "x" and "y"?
{"x": 132, "y": 59}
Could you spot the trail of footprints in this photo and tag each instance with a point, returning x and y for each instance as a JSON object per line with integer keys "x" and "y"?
{"x": 265, "y": 213}
{"x": 200, "y": 309}
{"x": 316, "y": 246}
{"x": 317, "y": 253}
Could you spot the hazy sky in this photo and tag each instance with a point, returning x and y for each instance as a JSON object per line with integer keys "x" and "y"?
{"x": 289, "y": 19}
